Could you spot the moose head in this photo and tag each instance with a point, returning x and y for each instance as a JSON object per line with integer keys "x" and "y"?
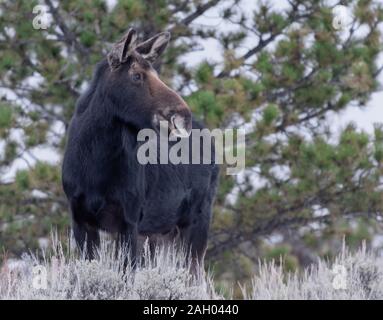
{"x": 138, "y": 95}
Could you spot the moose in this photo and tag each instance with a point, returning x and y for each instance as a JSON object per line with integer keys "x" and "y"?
{"x": 106, "y": 187}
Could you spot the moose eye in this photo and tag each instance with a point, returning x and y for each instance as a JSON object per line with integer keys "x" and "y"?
{"x": 136, "y": 77}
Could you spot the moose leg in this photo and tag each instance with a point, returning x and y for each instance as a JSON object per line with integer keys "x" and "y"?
{"x": 129, "y": 233}
{"x": 128, "y": 243}
{"x": 84, "y": 235}
{"x": 195, "y": 238}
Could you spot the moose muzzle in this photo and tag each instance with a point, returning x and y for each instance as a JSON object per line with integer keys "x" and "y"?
{"x": 180, "y": 124}
{"x": 171, "y": 107}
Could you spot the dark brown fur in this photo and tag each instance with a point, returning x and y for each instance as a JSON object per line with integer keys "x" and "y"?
{"x": 106, "y": 187}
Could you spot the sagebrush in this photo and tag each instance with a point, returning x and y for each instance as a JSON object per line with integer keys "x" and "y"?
{"x": 164, "y": 275}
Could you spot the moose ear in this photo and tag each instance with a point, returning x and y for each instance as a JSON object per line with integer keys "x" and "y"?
{"x": 121, "y": 49}
{"x": 152, "y": 48}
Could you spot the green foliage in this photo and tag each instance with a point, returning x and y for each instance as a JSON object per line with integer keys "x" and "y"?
{"x": 88, "y": 38}
{"x": 5, "y": 116}
{"x": 205, "y": 105}
{"x": 22, "y": 180}
{"x": 270, "y": 113}
{"x": 204, "y": 73}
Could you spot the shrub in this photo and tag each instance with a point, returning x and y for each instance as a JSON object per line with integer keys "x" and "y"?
{"x": 163, "y": 275}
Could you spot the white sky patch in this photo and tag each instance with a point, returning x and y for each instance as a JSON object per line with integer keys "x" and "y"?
{"x": 38, "y": 194}
{"x": 281, "y": 172}
{"x": 110, "y": 4}
{"x": 363, "y": 117}
{"x": 320, "y": 211}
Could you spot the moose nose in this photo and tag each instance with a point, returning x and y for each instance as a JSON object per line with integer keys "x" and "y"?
{"x": 181, "y": 124}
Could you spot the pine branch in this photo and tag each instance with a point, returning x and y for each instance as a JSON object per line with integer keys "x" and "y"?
{"x": 69, "y": 37}
{"x": 261, "y": 45}
{"x": 201, "y": 9}
{"x": 236, "y": 239}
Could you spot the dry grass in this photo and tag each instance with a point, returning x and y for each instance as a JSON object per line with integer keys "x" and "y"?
{"x": 70, "y": 276}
